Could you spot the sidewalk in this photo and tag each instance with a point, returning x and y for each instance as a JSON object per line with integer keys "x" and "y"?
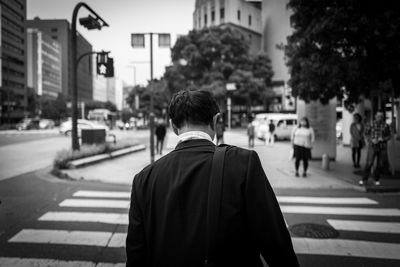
{"x": 275, "y": 160}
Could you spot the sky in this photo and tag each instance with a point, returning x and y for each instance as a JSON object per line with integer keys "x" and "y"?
{"x": 126, "y": 17}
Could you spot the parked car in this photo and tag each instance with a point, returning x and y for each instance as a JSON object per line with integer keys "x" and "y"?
{"x": 66, "y": 127}
{"x": 28, "y": 124}
{"x": 284, "y": 124}
{"x": 46, "y": 124}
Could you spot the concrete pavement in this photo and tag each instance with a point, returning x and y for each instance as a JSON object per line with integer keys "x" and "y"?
{"x": 275, "y": 160}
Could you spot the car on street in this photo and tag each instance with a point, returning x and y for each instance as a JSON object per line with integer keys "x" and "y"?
{"x": 46, "y": 124}
{"x": 66, "y": 127}
{"x": 28, "y": 124}
{"x": 284, "y": 124}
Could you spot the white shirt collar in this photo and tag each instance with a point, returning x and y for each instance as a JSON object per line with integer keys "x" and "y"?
{"x": 192, "y": 135}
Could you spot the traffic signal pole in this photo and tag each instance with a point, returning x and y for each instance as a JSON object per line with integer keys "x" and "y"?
{"x": 151, "y": 102}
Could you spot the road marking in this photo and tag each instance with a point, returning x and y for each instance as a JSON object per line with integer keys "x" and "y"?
{"x": 363, "y": 226}
{"x": 94, "y": 203}
{"x": 341, "y": 247}
{"x": 81, "y": 238}
{"x": 327, "y": 200}
{"x": 103, "y": 194}
{"x": 98, "y": 217}
{"x": 339, "y": 210}
{"x": 29, "y": 262}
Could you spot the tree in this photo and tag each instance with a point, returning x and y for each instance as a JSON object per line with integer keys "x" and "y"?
{"x": 210, "y": 58}
{"x": 55, "y": 109}
{"x": 343, "y": 48}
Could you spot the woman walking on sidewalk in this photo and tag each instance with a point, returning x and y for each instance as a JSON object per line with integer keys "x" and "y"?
{"x": 357, "y": 139}
{"x": 302, "y": 140}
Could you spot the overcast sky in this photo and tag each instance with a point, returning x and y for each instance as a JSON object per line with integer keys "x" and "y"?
{"x": 125, "y": 17}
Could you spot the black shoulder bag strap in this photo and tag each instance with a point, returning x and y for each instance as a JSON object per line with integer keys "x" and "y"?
{"x": 214, "y": 203}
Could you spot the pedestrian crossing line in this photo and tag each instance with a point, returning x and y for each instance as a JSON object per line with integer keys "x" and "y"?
{"x": 327, "y": 200}
{"x": 365, "y": 226}
{"x": 102, "y": 194}
{"x": 29, "y": 262}
{"x": 342, "y": 247}
{"x": 62, "y": 237}
{"x": 93, "y": 217}
{"x": 339, "y": 210}
{"x": 95, "y": 203}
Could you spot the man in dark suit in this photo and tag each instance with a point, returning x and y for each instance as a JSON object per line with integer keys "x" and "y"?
{"x": 167, "y": 217}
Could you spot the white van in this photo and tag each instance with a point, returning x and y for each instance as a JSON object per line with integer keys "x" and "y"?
{"x": 284, "y": 124}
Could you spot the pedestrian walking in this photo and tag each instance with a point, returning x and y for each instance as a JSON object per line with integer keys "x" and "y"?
{"x": 377, "y": 134}
{"x": 302, "y": 141}
{"x": 251, "y": 132}
{"x": 356, "y": 139}
{"x": 271, "y": 133}
{"x": 220, "y": 129}
{"x": 161, "y": 131}
{"x": 205, "y": 205}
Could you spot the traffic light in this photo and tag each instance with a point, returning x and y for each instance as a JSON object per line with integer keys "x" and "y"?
{"x": 101, "y": 62}
{"x": 109, "y": 68}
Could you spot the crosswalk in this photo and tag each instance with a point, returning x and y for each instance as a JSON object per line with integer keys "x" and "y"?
{"x": 96, "y": 221}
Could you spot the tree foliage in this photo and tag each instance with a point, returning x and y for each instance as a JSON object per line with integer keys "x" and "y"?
{"x": 343, "y": 48}
{"x": 212, "y": 57}
{"x": 55, "y": 109}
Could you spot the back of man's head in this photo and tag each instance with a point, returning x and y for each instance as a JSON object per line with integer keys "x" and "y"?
{"x": 192, "y": 107}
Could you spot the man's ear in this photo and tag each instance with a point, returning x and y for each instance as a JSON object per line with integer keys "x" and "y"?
{"x": 174, "y": 128}
{"x": 215, "y": 119}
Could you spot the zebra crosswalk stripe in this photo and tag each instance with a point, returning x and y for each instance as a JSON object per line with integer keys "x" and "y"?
{"x": 365, "y": 226}
{"x": 102, "y": 194}
{"x": 326, "y": 200}
{"x": 95, "y": 203}
{"x": 97, "y": 217}
{"x": 339, "y": 210}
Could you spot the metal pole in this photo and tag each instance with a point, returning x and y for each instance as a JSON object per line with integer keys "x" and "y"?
{"x": 75, "y": 141}
{"x": 151, "y": 102}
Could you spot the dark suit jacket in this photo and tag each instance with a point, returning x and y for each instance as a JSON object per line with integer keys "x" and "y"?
{"x": 167, "y": 217}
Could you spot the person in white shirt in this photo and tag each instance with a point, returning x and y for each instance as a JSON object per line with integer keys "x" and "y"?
{"x": 302, "y": 141}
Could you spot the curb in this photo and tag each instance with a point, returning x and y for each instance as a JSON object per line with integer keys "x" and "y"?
{"x": 97, "y": 158}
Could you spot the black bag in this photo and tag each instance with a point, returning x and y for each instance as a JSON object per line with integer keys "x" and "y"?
{"x": 214, "y": 204}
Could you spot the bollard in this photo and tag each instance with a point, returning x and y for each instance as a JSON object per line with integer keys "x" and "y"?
{"x": 325, "y": 162}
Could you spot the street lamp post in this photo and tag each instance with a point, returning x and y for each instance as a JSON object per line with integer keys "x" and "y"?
{"x": 89, "y": 23}
{"x": 163, "y": 41}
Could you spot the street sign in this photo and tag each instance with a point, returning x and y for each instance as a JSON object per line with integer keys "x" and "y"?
{"x": 230, "y": 86}
{"x": 137, "y": 40}
{"x": 164, "y": 40}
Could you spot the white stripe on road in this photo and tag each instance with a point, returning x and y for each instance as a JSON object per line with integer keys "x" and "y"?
{"x": 103, "y": 194}
{"x": 339, "y": 210}
{"x": 98, "y": 217}
{"x": 363, "y": 226}
{"x": 341, "y": 247}
{"x": 95, "y": 203}
{"x": 326, "y": 200}
{"x": 81, "y": 238}
{"x": 29, "y": 262}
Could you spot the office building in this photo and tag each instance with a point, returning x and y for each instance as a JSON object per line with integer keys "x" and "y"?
{"x": 44, "y": 63}
{"x": 245, "y": 16}
{"x": 13, "y": 96}
{"x": 60, "y": 31}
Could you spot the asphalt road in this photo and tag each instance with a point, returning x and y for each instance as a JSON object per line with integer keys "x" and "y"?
{"x": 44, "y": 220}
{"x": 22, "y": 152}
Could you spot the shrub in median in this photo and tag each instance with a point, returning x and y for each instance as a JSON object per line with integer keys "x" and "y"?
{"x": 64, "y": 156}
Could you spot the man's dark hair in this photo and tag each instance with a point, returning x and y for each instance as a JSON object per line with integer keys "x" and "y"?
{"x": 193, "y": 107}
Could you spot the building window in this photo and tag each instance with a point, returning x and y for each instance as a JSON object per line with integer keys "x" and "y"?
{"x": 222, "y": 13}
{"x": 54, "y": 29}
{"x": 212, "y": 16}
{"x": 238, "y": 15}
{"x": 205, "y": 19}
{"x": 54, "y": 37}
{"x": 249, "y": 20}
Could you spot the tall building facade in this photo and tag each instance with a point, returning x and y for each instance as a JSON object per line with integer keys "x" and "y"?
{"x": 44, "y": 63}
{"x": 13, "y": 96}
{"x": 60, "y": 31}
{"x": 276, "y": 28}
{"x": 244, "y": 16}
